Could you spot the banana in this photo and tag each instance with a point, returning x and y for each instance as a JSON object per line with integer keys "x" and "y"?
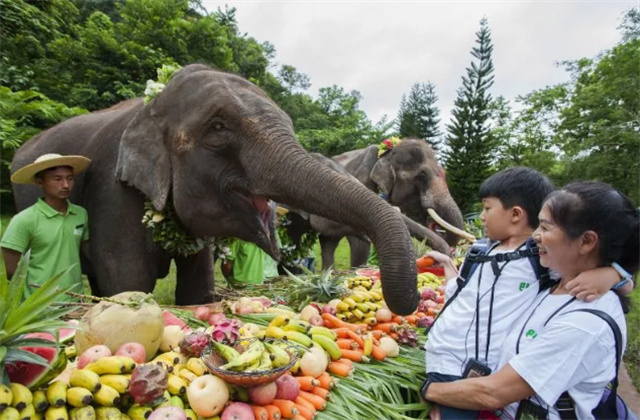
{"x": 298, "y": 337}
{"x": 274, "y": 332}
{"x": 264, "y": 363}
{"x": 78, "y": 396}
{"x": 179, "y": 366}
{"x": 124, "y": 417}
{"x": 85, "y": 379}
{"x": 139, "y": 412}
{"x": 57, "y": 395}
{"x": 296, "y": 325}
{"x": 107, "y": 396}
{"x": 342, "y": 307}
{"x": 128, "y": 363}
{"x": 82, "y": 413}
{"x": 370, "y": 320}
{"x": 108, "y": 365}
{"x": 9, "y": 413}
{"x": 375, "y": 294}
{"x": 118, "y": 382}
{"x": 56, "y": 413}
{"x": 323, "y": 331}
{"x": 191, "y": 415}
{"x": 6, "y": 396}
{"x": 343, "y": 316}
{"x": 368, "y": 344}
{"x": 176, "y": 401}
{"x": 363, "y": 307}
{"x": 356, "y": 297}
{"x": 357, "y": 313}
{"x": 328, "y": 345}
{"x": 279, "y": 321}
{"x": 187, "y": 375}
{"x": 228, "y": 352}
{"x": 40, "y": 402}
{"x": 280, "y": 355}
{"x": 296, "y": 366}
{"x": 37, "y": 416}
{"x": 27, "y": 413}
{"x": 108, "y": 413}
{"x": 172, "y": 357}
{"x": 126, "y": 401}
{"x": 176, "y": 385}
{"x": 21, "y": 396}
{"x": 70, "y": 351}
{"x": 245, "y": 359}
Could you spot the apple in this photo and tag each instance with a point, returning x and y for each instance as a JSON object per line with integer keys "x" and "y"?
{"x": 238, "y": 411}
{"x": 328, "y": 309}
{"x": 207, "y": 395}
{"x": 439, "y": 299}
{"x": 263, "y": 394}
{"x": 92, "y": 354}
{"x": 133, "y": 350}
{"x": 168, "y": 413}
{"x": 202, "y": 313}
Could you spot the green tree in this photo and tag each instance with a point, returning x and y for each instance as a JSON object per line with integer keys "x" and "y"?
{"x": 470, "y": 147}
{"x": 418, "y": 116}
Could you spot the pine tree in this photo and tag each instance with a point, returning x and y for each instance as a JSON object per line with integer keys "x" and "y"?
{"x": 470, "y": 146}
{"x": 418, "y": 116}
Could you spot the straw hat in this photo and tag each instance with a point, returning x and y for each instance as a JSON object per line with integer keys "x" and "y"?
{"x": 26, "y": 174}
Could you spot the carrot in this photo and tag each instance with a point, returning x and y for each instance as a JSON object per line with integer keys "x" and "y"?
{"x": 307, "y": 383}
{"x": 318, "y": 402}
{"x": 336, "y": 322}
{"x": 339, "y": 369}
{"x": 357, "y": 338}
{"x": 377, "y": 334}
{"x": 346, "y": 343}
{"x": 306, "y": 404}
{"x": 394, "y": 336}
{"x": 397, "y": 319}
{"x": 298, "y": 417}
{"x": 420, "y": 315}
{"x": 287, "y": 408}
{"x": 260, "y": 412}
{"x": 274, "y": 412}
{"x": 321, "y": 392}
{"x": 386, "y": 327}
{"x": 411, "y": 319}
{"x": 354, "y": 356}
{"x": 378, "y": 354}
{"x": 345, "y": 361}
{"x": 325, "y": 380}
{"x": 342, "y": 332}
{"x": 305, "y": 412}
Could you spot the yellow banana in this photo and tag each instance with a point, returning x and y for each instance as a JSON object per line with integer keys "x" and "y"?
{"x": 298, "y": 337}
{"x": 179, "y": 366}
{"x": 296, "y": 325}
{"x": 128, "y": 363}
{"x": 70, "y": 351}
{"x": 164, "y": 364}
{"x": 85, "y": 378}
{"x": 370, "y": 320}
{"x": 37, "y": 416}
{"x": 274, "y": 332}
{"x": 375, "y": 294}
{"x": 21, "y": 396}
{"x": 176, "y": 385}
{"x": 350, "y": 302}
{"x": 124, "y": 417}
{"x": 176, "y": 401}
{"x": 357, "y": 297}
{"x": 280, "y": 355}
{"x": 107, "y": 365}
{"x": 368, "y": 344}
{"x": 107, "y": 396}
{"x": 279, "y": 321}
{"x": 171, "y": 357}
{"x": 357, "y": 313}
{"x": 198, "y": 367}
{"x": 118, "y": 382}
{"x": 191, "y": 415}
{"x": 363, "y": 307}
{"x": 139, "y": 412}
{"x": 10, "y": 413}
{"x": 247, "y": 358}
{"x": 82, "y": 413}
{"x": 40, "y": 402}
{"x": 187, "y": 375}
{"x": 343, "y": 316}
{"x": 57, "y": 394}
{"x": 6, "y": 396}
{"x": 342, "y": 307}
{"x": 78, "y": 396}
{"x": 27, "y": 413}
{"x": 56, "y": 413}
{"x": 108, "y": 413}
{"x": 328, "y": 345}
{"x": 323, "y": 331}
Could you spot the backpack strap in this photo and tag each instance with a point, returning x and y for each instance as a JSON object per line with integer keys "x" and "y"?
{"x": 565, "y": 405}
{"x": 542, "y": 273}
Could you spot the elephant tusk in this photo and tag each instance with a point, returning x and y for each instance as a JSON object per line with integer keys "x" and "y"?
{"x": 439, "y": 220}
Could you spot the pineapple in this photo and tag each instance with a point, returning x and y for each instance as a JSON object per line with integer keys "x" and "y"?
{"x": 316, "y": 288}
{"x": 34, "y": 314}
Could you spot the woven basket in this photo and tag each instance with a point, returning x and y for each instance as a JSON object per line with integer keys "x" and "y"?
{"x": 247, "y": 379}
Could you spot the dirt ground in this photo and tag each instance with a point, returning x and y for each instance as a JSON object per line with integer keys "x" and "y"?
{"x": 628, "y": 392}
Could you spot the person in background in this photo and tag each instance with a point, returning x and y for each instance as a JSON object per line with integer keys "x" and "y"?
{"x": 554, "y": 347}
{"x": 53, "y": 229}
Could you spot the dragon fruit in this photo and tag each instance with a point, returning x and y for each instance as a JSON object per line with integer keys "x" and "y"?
{"x": 193, "y": 343}
{"x": 407, "y": 336}
{"x": 226, "y": 331}
{"x": 148, "y": 383}
{"x": 425, "y": 322}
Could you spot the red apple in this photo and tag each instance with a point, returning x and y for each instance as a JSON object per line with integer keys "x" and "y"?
{"x": 202, "y": 313}
{"x": 133, "y": 350}
{"x": 440, "y": 299}
{"x": 329, "y": 309}
{"x": 92, "y": 354}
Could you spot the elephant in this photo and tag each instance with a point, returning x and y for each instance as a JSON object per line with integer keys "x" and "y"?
{"x": 332, "y": 232}
{"x": 216, "y": 147}
{"x": 411, "y": 178}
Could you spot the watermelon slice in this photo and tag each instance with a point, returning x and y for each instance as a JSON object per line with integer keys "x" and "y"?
{"x": 171, "y": 319}
{"x": 373, "y": 273}
{"x": 33, "y": 375}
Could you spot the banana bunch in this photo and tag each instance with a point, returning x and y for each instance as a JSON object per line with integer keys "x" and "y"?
{"x": 429, "y": 280}
{"x": 360, "y": 307}
{"x": 359, "y": 283}
{"x": 305, "y": 334}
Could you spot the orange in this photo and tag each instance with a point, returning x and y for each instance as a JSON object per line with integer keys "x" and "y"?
{"x": 424, "y": 262}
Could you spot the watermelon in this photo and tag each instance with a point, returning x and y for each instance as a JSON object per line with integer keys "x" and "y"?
{"x": 171, "y": 319}
{"x": 373, "y": 273}
{"x": 33, "y": 375}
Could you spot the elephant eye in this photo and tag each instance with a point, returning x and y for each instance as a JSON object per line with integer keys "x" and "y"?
{"x": 217, "y": 125}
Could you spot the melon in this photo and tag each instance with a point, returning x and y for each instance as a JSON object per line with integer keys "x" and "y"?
{"x": 368, "y": 272}
{"x": 171, "y": 319}
{"x": 33, "y": 375}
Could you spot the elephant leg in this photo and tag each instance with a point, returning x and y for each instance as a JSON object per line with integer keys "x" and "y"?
{"x": 328, "y": 245}
{"x": 194, "y": 283}
{"x": 359, "y": 251}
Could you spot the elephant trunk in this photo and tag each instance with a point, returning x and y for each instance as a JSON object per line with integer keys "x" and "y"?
{"x": 294, "y": 178}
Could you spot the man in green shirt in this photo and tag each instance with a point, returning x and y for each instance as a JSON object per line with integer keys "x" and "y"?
{"x": 53, "y": 228}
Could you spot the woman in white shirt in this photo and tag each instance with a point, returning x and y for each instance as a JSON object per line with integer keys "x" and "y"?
{"x": 553, "y": 348}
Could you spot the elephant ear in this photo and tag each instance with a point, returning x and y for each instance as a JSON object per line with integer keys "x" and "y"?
{"x": 383, "y": 175}
{"x": 143, "y": 158}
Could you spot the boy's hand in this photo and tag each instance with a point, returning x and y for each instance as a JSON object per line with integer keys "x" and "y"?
{"x": 593, "y": 284}
{"x": 450, "y": 269}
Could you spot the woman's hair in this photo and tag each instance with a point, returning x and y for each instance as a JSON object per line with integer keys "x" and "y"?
{"x": 596, "y": 206}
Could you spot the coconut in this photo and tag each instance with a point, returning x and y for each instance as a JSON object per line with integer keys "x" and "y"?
{"x": 127, "y": 317}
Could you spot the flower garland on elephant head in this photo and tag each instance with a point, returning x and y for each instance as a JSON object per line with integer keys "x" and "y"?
{"x": 387, "y": 144}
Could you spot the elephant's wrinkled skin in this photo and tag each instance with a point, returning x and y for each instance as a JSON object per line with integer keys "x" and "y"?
{"x": 332, "y": 232}
{"x": 216, "y": 146}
